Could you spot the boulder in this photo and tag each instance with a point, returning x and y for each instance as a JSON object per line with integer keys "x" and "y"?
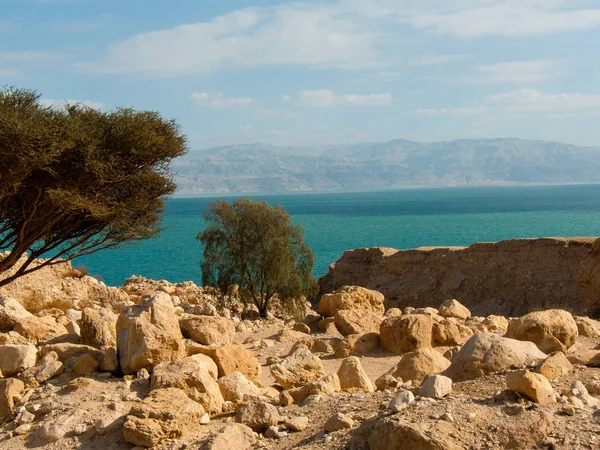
{"x": 436, "y": 386}
{"x": 99, "y": 328}
{"x": 495, "y": 324}
{"x": 351, "y": 297}
{"x": 235, "y": 358}
{"x": 352, "y": 376}
{"x": 415, "y": 366}
{"x": 35, "y": 328}
{"x": 191, "y": 376}
{"x": 148, "y": 334}
{"x": 302, "y": 328}
{"x": 234, "y": 386}
{"x": 551, "y": 330}
{"x": 10, "y": 391}
{"x": 11, "y": 313}
{"x": 234, "y": 436}
{"x": 357, "y": 345}
{"x": 208, "y": 330}
{"x": 16, "y": 358}
{"x": 258, "y": 415}
{"x": 164, "y": 414}
{"x": 401, "y": 401}
{"x": 357, "y": 321}
{"x": 534, "y": 386}
{"x": 587, "y": 327}
{"x": 323, "y": 386}
{"x": 210, "y": 364}
{"x": 296, "y": 370}
{"x": 453, "y": 308}
{"x": 339, "y": 421}
{"x": 486, "y": 353}
{"x": 554, "y": 366}
{"x": 393, "y": 312}
{"x": 48, "y": 366}
{"x": 67, "y": 351}
{"x": 449, "y": 332}
{"x": 406, "y": 333}
{"x": 86, "y": 364}
{"x": 386, "y": 382}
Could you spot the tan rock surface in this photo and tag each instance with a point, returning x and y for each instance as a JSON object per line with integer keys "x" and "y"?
{"x": 351, "y": 297}
{"x": 352, "y": 376}
{"x": 415, "y": 366}
{"x": 208, "y": 330}
{"x": 298, "y": 369}
{"x": 534, "y": 386}
{"x": 551, "y": 330}
{"x": 406, "y": 333}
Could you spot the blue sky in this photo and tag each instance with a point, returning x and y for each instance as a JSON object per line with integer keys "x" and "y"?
{"x": 319, "y": 72}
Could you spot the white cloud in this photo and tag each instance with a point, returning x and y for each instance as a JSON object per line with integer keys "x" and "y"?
{"x": 430, "y": 59}
{"x": 452, "y": 111}
{"x": 61, "y": 103}
{"x": 286, "y": 98}
{"x": 520, "y": 71}
{"x": 219, "y": 101}
{"x": 324, "y": 98}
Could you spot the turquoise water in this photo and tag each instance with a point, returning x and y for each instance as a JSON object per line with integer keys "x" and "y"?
{"x": 401, "y": 219}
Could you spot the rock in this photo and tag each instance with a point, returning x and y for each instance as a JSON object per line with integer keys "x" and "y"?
{"x": 351, "y": 297}
{"x": 302, "y": 328}
{"x": 99, "y": 328}
{"x": 11, "y": 313}
{"x": 48, "y": 366}
{"x": 401, "y": 401}
{"x": 436, "y": 386}
{"x": 486, "y": 353}
{"x": 352, "y": 376}
{"x": 551, "y": 330}
{"x": 323, "y": 386}
{"x": 86, "y": 364}
{"x": 386, "y": 382}
{"x": 554, "y": 366}
{"x": 191, "y": 376}
{"x": 68, "y": 351}
{"x": 10, "y": 391}
{"x": 298, "y": 369}
{"x": 587, "y": 327}
{"x": 388, "y": 433}
{"x": 258, "y": 415}
{"x": 338, "y": 421}
{"x": 234, "y": 436}
{"x": 234, "y": 358}
{"x": 449, "y": 332}
{"x": 307, "y": 342}
{"x": 16, "y": 358}
{"x": 324, "y": 346}
{"x": 357, "y": 345}
{"x": 534, "y": 386}
{"x": 210, "y": 364}
{"x": 285, "y": 398}
{"x": 298, "y": 423}
{"x": 406, "y": 333}
{"x": 495, "y": 324}
{"x": 148, "y": 334}
{"x": 415, "y": 366}
{"x": 453, "y": 308}
{"x": 287, "y": 335}
{"x": 393, "y": 312}
{"x": 234, "y": 386}
{"x": 324, "y": 323}
{"x": 35, "y": 328}
{"x": 208, "y": 330}
{"x": 357, "y": 321}
{"x": 164, "y": 414}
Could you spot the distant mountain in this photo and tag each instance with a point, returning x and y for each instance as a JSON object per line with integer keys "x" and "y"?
{"x": 468, "y": 162}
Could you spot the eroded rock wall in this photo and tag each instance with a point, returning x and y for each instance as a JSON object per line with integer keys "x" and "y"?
{"x": 510, "y": 277}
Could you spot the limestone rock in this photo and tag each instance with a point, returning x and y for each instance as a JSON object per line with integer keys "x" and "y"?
{"x": 234, "y": 436}
{"x": 164, "y": 414}
{"x": 351, "y": 297}
{"x": 234, "y": 386}
{"x": 11, "y": 313}
{"x": 258, "y": 415}
{"x": 338, "y": 421}
{"x": 10, "y": 390}
{"x": 495, "y": 324}
{"x": 406, "y": 333}
{"x": 299, "y": 423}
{"x": 352, "y": 376}
{"x": 47, "y": 367}
{"x": 393, "y": 312}
{"x": 534, "y": 386}
{"x": 449, "y": 332}
{"x": 85, "y": 364}
{"x": 357, "y": 321}
{"x": 415, "y": 366}
{"x": 210, "y": 364}
{"x": 554, "y": 366}
{"x": 436, "y": 386}
{"x": 234, "y": 358}
{"x": 302, "y": 328}
{"x": 35, "y": 328}
{"x": 191, "y": 376}
{"x": 357, "y": 345}
{"x": 386, "y": 382}
{"x": 67, "y": 351}
{"x": 587, "y": 327}
{"x": 453, "y": 308}
{"x": 298, "y": 369}
{"x": 208, "y": 330}
{"x": 16, "y": 358}
{"x": 401, "y": 401}
{"x": 148, "y": 334}
{"x": 551, "y": 330}
{"x": 99, "y": 328}
{"x": 323, "y": 386}
{"x": 486, "y": 353}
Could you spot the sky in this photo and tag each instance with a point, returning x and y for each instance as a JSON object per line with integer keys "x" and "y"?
{"x": 318, "y": 72}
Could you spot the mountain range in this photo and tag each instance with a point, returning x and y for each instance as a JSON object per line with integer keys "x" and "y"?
{"x": 264, "y": 168}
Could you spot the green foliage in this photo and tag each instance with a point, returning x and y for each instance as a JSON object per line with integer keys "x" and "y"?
{"x": 256, "y": 247}
{"x": 77, "y": 180}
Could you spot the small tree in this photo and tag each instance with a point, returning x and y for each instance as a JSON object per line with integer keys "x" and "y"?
{"x": 257, "y": 247}
{"x": 76, "y": 180}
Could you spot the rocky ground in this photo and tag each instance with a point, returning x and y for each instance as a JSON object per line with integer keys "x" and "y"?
{"x": 170, "y": 366}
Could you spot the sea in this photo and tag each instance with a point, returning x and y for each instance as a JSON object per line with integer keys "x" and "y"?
{"x": 336, "y": 222}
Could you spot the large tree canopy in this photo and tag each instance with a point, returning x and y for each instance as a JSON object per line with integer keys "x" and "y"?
{"x": 75, "y": 180}
{"x": 256, "y": 247}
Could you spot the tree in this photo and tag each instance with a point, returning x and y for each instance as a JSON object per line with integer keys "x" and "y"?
{"x": 75, "y": 180}
{"x": 257, "y": 247}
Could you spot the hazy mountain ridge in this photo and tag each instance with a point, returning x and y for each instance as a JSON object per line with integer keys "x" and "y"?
{"x": 395, "y": 164}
